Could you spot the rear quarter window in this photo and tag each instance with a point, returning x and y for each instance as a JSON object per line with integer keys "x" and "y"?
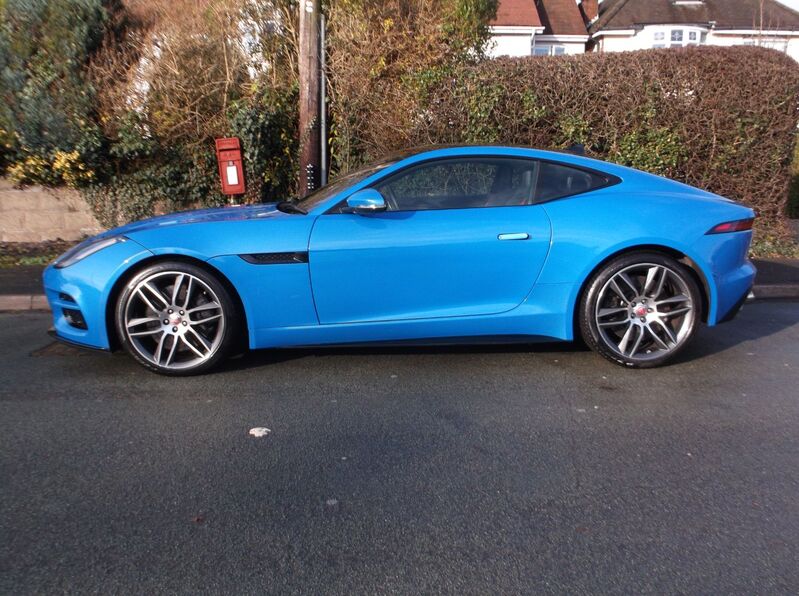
{"x": 556, "y": 181}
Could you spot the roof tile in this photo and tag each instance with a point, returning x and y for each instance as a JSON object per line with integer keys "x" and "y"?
{"x": 516, "y": 13}
{"x": 727, "y": 14}
{"x": 561, "y": 17}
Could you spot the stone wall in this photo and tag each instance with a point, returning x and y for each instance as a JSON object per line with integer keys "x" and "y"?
{"x": 37, "y": 214}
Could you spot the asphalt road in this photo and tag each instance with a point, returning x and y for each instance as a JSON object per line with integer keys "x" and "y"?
{"x": 499, "y": 469}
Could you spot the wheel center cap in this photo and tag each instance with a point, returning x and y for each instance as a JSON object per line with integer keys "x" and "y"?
{"x": 640, "y": 311}
{"x": 175, "y": 320}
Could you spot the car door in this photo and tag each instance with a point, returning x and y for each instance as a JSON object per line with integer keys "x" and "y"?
{"x": 459, "y": 237}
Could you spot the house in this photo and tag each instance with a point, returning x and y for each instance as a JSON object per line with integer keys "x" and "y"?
{"x": 514, "y": 28}
{"x": 621, "y": 25}
{"x": 537, "y": 28}
{"x": 564, "y": 29}
{"x": 556, "y": 27}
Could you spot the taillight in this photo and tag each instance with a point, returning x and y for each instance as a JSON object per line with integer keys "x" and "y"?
{"x": 739, "y": 225}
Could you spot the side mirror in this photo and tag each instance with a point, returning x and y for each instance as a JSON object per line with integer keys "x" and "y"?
{"x": 366, "y": 201}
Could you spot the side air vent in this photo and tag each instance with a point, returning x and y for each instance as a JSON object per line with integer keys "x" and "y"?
{"x": 276, "y": 258}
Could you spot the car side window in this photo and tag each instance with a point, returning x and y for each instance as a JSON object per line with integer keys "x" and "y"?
{"x": 557, "y": 180}
{"x": 464, "y": 183}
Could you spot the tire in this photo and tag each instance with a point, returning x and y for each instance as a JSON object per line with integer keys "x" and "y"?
{"x": 176, "y": 319}
{"x": 640, "y": 309}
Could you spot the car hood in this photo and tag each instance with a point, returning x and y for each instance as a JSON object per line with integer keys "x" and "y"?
{"x": 218, "y": 214}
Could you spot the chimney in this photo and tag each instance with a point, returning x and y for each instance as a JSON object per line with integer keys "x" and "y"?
{"x": 590, "y": 10}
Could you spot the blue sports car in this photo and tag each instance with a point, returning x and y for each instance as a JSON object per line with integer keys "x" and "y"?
{"x": 443, "y": 245}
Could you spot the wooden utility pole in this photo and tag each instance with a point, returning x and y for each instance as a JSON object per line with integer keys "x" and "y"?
{"x": 310, "y": 78}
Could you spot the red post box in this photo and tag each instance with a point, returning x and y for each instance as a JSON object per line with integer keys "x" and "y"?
{"x": 231, "y": 166}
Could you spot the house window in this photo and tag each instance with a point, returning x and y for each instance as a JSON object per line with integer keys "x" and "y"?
{"x": 548, "y": 50}
{"x": 778, "y": 44}
{"x": 666, "y": 37}
{"x": 775, "y": 44}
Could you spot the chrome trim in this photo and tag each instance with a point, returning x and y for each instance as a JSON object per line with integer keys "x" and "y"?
{"x": 365, "y": 201}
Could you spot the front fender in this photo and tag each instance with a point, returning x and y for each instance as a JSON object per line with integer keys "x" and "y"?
{"x": 86, "y": 286}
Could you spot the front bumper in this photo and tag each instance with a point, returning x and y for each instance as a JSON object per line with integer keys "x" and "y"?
{"x": 78, "y": 294}
{"x": 52, "y": 333}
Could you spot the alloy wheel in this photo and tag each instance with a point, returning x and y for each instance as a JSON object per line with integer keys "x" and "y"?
{"x": 645, "y": 311}
{"x": 174, "y": 320}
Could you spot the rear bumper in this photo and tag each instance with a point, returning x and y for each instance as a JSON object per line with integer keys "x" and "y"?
{"x": 736, "y": 308}
{"x": 733, "y": 289}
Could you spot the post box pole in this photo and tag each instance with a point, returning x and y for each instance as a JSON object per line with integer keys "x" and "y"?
{"x": 323, "y": 102}
{"x": 310, "y": 138}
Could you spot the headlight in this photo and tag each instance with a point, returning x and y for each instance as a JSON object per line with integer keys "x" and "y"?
{"x": 83, "y": 250}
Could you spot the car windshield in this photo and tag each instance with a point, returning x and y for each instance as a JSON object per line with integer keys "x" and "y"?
{"x": 348, "y": 179}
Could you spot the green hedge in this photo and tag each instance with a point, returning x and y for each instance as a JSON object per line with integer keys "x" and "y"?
{"x": 723, "y": 119}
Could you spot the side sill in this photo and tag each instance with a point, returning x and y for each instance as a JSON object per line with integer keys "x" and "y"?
{"x": 469, "y": 340}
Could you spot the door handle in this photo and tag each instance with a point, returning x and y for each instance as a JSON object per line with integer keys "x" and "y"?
{"x": 514, "y": 236}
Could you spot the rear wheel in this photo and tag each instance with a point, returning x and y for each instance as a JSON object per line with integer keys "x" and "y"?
{"x": 176, "y": 319}
{"x": 640, "y": 310}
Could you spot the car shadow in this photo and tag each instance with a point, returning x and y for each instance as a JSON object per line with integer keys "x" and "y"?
{"x": 260, "y": 358}
{"x": 756, "y": 321}
{"x": 777, "y": 271}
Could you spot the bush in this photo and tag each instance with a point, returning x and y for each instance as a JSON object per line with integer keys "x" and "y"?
{"x": 47, "y": 129}
{"x": 179, "y": 74}
{"x": 170, "y": 183}
{"x": 176, "y": 76}
{"x": 793, "y": 193}
{"x": 723, "y": 119}
{"x": 383, "y": 59}
{"x": 170, "y": 76}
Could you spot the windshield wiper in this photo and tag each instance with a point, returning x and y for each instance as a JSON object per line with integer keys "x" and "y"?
{"x": 289, "y": 207}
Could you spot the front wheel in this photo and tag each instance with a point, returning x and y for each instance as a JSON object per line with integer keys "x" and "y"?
{"x": 640, "y": 310}
{"x": 176, "y": 319}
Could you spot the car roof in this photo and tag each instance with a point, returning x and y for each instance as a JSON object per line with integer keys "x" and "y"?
{"x": 414, "y": 154}
{"x": 399, "y": 160}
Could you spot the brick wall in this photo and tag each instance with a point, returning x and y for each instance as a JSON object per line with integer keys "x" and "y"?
{"x": 36, "y": 214}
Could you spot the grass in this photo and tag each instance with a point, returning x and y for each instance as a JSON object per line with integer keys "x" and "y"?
{"x": 21, "y": 261}
{"x": 772, "y": 248}
{"x": 20, "y": 254}
{"x": 777, "y": 241}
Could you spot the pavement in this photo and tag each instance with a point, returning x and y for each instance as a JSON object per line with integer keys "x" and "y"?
{"x": 493, "y": 470}
{"x": 776, "y": 278}
{"x": 21, "y": 287}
